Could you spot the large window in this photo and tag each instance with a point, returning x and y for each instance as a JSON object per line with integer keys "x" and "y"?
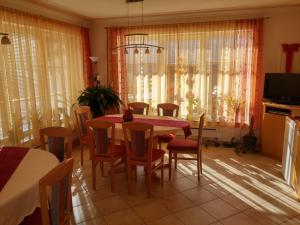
{"x": 41, "y": 75}
{"x": 211, "y": 67}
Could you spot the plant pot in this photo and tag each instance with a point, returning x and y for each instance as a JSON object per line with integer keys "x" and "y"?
{"x": 249, "y": 141}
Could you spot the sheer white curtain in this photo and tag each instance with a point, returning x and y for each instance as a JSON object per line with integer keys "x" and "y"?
{"x": 41, "y": 74}
{"x": 212, "y": 67}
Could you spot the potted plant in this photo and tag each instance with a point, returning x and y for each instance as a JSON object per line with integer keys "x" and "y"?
{"x": 100, "y": 99}
{"x": 249, "y": 140}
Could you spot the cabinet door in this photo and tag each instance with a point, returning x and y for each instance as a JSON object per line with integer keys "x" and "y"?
{"x": 273, "y": 127}
{"x": 288, "y": 149}
{"x": 296, "y": 165}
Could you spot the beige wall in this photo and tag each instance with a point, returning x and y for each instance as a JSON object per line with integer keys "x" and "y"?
{"x": 45, "y": 11}
{"x": 281, "y": 26}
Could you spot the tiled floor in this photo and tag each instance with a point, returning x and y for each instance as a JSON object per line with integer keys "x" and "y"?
{"x": 234, "y": 190}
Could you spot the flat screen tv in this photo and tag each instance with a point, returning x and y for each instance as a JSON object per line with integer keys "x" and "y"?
{"x": 282, "y": 88}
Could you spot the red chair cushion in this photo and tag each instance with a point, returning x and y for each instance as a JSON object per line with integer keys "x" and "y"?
{"x": 179, "y": 144}
{"x": 157, "y": 154}
{"x": 166, "y": 137}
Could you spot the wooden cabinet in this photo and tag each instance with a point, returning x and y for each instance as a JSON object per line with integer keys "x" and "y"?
{"x": 291, "y": 154}
{"x": 273, "y": 127}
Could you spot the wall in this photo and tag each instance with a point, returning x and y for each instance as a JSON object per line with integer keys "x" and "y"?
{"x": 281, "y": 26}
{"x": 46, "y": 12}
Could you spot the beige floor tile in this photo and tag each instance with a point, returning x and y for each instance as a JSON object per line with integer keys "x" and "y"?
{"x": 168, "y": 220}
{"x": 151, "y": 211}
{"x": 83, "y": 213}
{"x": 219, "y": 208}
{"x": 199, "y": 195}
{"x": 293, "y": 221}
{"x": 124, "y": 217}
{"x": 176, "y": 202}
{"x": 218, "y": 189}
{"x": 239, "y": 219}
{"x": 182, "y": 184}
{"x": 96, "y": 221}
{"x": 265, "y": 215}
{"x": 240, "y": 201}
{"x": 195, "y": 216}
{"x": 110, "y": 205}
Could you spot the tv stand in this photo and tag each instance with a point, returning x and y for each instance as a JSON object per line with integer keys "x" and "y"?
{"x": 273, "y": 127}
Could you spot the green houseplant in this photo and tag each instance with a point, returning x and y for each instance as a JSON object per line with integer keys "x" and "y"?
{"x": 100, "y": 99}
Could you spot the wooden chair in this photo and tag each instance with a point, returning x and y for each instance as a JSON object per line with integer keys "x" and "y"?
{"x": 56, "y": 208}
{"x": 82, "y": 114}
{"x": 139, "y": 152}
{"x": 104, "y": 148}
{"x": 187, "y": 146}
{"x": 167, "y": 109}
{"x": 59, "y": 141}
{"x": 139, "y": 107}
{"x": 55, "y": 197}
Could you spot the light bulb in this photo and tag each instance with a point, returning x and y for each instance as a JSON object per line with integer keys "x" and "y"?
{"x": 158, "y": 51}
{"x": 136, "y": 51}
{"x": 147, "y": 51}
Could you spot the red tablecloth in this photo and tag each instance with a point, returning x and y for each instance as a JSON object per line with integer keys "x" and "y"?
{"x": 10, "y": 158}
{"x": 156, "y": 122}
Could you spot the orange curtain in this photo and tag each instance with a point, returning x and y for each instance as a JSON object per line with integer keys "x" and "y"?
{"x": 214, "y": 67}
{"x": 116, "y": 68}
{"x": 86, "y": 51}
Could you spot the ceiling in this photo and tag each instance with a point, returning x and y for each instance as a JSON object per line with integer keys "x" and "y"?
{"x": 118, "y": 8}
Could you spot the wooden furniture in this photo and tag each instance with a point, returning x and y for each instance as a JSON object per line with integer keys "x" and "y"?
{"x": 59, "y": 141}
{"x": 56, "y": 207}
{"x": 273, "y": 123}
{"x": 187, "y": 146}
{"x": 291, "y": 154}
{"x": 139, "y": 108}
{"x": 104, "y": 148}
{"x": 140, "y": 152}
{"x": 167, "y": 109}
{"x": 161, "y": 125}
{"x": 82, "y": 114}
{"x": 19, "y": 197}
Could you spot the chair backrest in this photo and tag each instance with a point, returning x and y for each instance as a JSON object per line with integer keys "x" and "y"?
{"x": 138, "y": 141}
{"x": 59, "y": 141}
{"x": 55, "y": 194}
{"x": 139, "y": 107}
{"x": 82, "y": 114}
{"x": 200, "y": 130}
{"x": 103, "y": 133}
{"x": 168, "y": 109}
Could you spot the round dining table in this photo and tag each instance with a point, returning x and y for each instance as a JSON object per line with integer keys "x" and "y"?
{"x": 19, "y": 196}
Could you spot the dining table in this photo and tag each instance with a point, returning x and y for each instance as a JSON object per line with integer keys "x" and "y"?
{"x": 161, "y": 124}
{"x": 20, "y": 172}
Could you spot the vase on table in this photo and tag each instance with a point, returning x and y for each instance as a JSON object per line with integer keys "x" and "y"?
{"x": 127, "y": 116}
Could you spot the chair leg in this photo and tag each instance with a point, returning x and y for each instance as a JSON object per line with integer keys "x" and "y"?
{"x": 170, "y": 164}
{"x": 162, "y": 172}
{"x": 112, "y": 175}
{"x": 201, "y": 162}
{"x": 129, "y": 176}
{"x": 198, "y": 167}
{"x": 94, "y": 164}
{"x": 159, "y": 144}
{"x": 175, "y": 160}
{"x": 149, "y": 178}
{"x": 81, "y": 153}
{"x": 102, "y": 169}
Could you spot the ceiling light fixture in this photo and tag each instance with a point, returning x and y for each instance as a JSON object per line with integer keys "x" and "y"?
{"x": 5, "y": 40}
{"x": 141, "y": 36}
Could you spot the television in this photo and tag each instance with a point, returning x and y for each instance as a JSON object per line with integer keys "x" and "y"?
{"x": 282, "y": 88}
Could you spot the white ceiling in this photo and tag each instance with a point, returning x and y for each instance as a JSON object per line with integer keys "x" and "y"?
{"x": 118, "y": 8}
